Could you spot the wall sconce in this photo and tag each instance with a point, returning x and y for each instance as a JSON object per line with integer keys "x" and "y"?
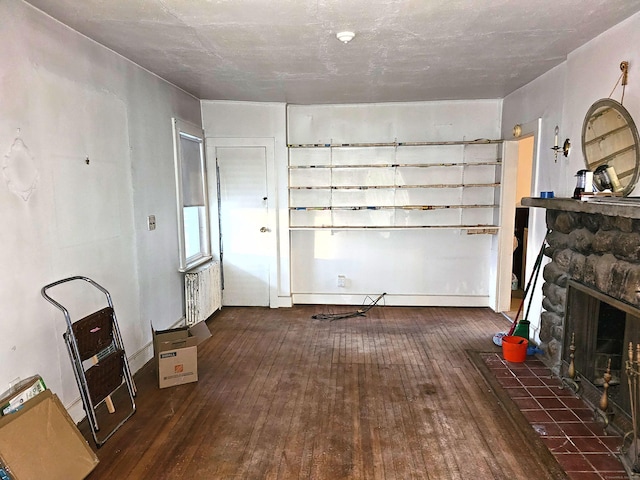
{"x": 565, "y": 148}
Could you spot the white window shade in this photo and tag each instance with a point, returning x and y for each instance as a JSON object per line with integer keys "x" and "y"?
{"x": 192, "y": 166}
{"x": 191, "y": 195}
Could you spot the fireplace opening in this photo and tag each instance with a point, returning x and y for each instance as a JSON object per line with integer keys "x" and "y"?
{"x": 602, "y": 328}
{"x": 609, "y": 343}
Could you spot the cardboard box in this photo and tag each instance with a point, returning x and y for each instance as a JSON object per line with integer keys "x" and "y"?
{"x": 41, "y": 441}
{"x": 176, "y": 353}
{"x": 14, "y": 398}
{"x": 176, "y": 356}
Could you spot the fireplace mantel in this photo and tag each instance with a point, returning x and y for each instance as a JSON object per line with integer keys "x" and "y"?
{"x": 614, "y": 207}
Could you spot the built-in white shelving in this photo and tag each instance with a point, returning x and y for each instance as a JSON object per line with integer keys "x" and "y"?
{"x": 396, "y": 185}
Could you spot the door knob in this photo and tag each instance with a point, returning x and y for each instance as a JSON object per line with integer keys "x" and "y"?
{"x": 264, "y": 229}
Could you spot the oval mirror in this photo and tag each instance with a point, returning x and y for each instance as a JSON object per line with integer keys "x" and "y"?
{"x": 610, "y": 138}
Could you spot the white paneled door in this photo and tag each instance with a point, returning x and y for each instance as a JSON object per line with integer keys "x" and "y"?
{"x": 244, "y": 225}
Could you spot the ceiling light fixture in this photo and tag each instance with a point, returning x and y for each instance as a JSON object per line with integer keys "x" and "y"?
{"x": 345, "y": 37}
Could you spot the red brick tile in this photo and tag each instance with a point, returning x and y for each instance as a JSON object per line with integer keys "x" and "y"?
{"x": 548, "y": 429}
{"x": 518, "y": 367}
{"x": 508, "y": 381}
{"x": 540, "y": 371}
{"x": 559, "y": 445}
{"x": 605, "y": 462}
{"x": 596, "y": 428}
{"x": 526, "y": 403}
{"x": 562, "y": 415}
{"x": 502, "y": 372}
{"x": 590, "y": 445}
{"x": 614, "y": 475}
{"x": 517, "y": 392}
{"x": 551, "y": 402}
{"x": 584, "y": 414}
{"x": 536, "y": 416}
{"x": 613, "y": 442}
{"x": 531, "y": 381}
{"x": 551, "y": 382}
{"x": 574, "y": 462}
{"x": 576, "y": 429}
{"x": 584, "y": 476}
{"x": 540, "y": 392}
{"x": 565, "y": 392}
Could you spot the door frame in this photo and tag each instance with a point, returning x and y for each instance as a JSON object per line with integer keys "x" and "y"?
{"x": 502, "y": 301}
{"x": 268, "y": 143}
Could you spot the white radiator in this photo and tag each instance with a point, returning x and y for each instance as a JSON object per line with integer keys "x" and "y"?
{"x": 202, "y": 292}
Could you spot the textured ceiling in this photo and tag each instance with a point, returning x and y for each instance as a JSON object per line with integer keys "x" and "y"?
{"x": 286, "y": 50}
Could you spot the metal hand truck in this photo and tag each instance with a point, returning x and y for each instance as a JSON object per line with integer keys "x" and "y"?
{"x": 95, "y": 341}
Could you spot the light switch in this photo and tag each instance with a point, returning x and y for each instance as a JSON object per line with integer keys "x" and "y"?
{"x": 151, "y": 222}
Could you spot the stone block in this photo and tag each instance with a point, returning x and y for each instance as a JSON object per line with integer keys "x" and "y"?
{"x": 626, "y": 282}
{"x": 557, "y": 332}
{"x": 589, "y": 270}
{"x": 552, "y": 273}
{"x": 591, "y": 222}
{"x": 576, "y": 269}
{"x": 602, "y": 269}
{"x": 548, "y": 322}
{"x": 552, "y": 352}
{"x": 626, "y": 246}
{"x": 551, "y": 307}
{"x": 603, "y": 241}
{"x": 565, "y": 222}
{"x": 607, "y": 222}
{"x": 557, "y": 295}
{"x": 580, "y": 240}
{"x": 563, "y": 258}
{"x": 623, "y": 224}
{"x": 558, "y": 240}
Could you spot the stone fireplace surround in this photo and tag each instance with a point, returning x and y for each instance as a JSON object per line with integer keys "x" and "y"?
{"x": 594, "y": 243}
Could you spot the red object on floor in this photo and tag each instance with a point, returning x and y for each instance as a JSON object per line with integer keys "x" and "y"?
{"x": 514, "y": 349}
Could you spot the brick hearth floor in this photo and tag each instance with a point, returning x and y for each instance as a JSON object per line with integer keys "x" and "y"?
{"x": 564, "y": 422}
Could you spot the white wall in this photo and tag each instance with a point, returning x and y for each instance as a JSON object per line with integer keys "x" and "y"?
{"x": 414, "y": 267}
{"x": 562, "y": 97}
{"x": 64, "y": 98}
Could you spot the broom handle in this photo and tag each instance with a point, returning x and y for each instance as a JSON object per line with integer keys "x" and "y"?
{"x": 534, "y": 273}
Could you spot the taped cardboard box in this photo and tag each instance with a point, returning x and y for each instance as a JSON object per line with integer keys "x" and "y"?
{"x": 176, "y": 353}
{"x": 41, "y": 441}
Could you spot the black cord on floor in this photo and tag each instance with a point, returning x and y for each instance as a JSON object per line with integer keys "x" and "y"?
{"x": 357, "y": 313}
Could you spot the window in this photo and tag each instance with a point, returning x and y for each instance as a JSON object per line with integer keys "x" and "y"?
{"x": 191, "y": 188}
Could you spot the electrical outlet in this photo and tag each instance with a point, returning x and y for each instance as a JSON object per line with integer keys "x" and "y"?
{"x": 341, "y": 280}
{"x": 151, "y": 222}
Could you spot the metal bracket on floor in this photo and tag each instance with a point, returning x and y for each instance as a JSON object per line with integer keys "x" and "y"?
{"x": 573, "y": 383}
{"x": 603, "y": 416}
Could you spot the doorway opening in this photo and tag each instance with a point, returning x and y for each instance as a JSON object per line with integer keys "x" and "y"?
{"x": 245, "y": 200}
{"x": 524, "y": 176}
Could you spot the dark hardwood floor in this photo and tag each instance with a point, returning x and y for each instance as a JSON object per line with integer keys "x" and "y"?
{"x": 392, "y": 395}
